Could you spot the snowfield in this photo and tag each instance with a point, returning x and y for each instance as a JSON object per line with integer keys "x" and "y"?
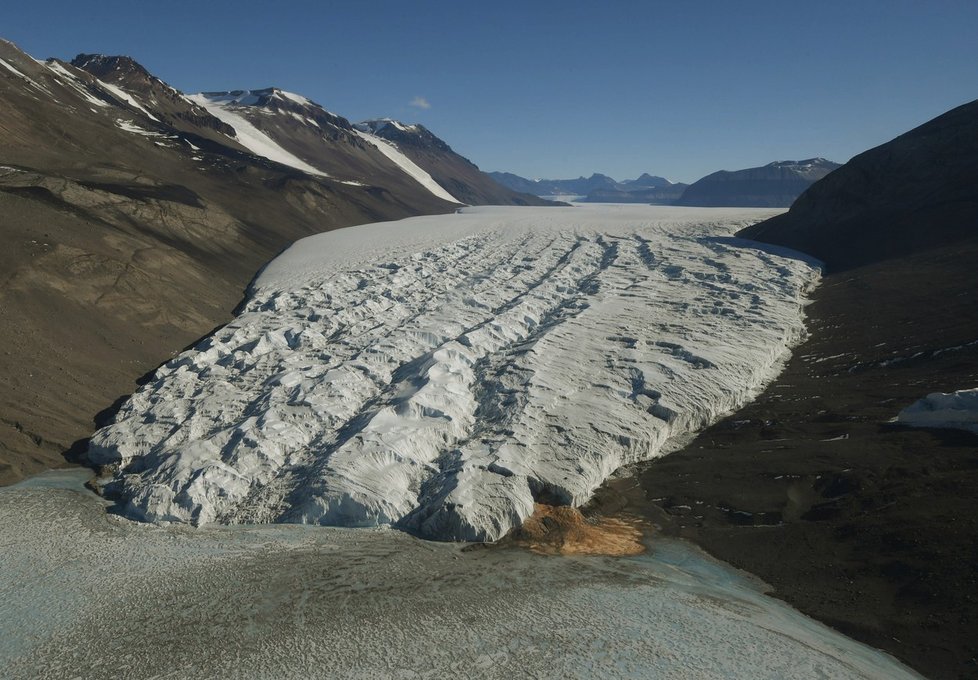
{"x": 439, "y": 374}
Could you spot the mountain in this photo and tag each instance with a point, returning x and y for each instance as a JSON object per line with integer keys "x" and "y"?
{"x": 647, "y": 181}
{"x": 134, "y": 217}
{"x": 911, "y": 194}
{"x": 774, "y": 185}
{"x": 661, "y": 195}
{"x": 555, "y": 187}
{"x": 129, "y": 81}
{"x": 457, "y": 174}
{"x": 597, "y": 188}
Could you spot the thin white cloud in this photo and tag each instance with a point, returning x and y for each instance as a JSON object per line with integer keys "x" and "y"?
{"x": 420, "y": 103}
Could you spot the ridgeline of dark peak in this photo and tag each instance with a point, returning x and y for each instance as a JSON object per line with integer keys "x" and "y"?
{"x": 457, "y": 174}
{"x": 803, "y": 163}
{"x": 162, "y": 101}
{"x": 648, "y": 181}
{"x": 415, "y": 135}
{"x": 111, "y": 68}
{"x": 280, "y": 101}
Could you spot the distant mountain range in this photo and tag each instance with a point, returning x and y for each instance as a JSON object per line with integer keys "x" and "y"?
{"x": 135, "y": 215}
{"x": 774, "y": 185}
{"x": 597, "y": 188}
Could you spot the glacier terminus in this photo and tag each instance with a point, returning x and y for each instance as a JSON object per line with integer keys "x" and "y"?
{"x": 442, "y": 374}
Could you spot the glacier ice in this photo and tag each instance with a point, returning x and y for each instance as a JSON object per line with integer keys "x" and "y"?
{"x": 955, "y": 410}
{"x": 439, "y": 374}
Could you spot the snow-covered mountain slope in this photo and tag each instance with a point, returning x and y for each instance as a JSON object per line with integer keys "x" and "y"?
{"x": 150, "y": 95}
{"x": 440, "y": 374}
{"x": 390, "y": 150}
{"x": 292, "y": 130}
{"x": 250, "y": 136}
{"x": 456, "y": 174}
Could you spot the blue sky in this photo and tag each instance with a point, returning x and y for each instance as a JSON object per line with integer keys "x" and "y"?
{"x": 561, "y": 89}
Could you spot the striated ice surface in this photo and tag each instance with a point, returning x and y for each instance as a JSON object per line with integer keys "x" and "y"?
{"x": 441, "y": 373}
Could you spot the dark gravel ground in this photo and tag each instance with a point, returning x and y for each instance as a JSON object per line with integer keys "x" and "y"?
{"x": 865, "y": 525}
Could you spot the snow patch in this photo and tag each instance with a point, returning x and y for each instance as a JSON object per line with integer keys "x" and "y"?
{"x": 130, "y": 126}
{"x": 247, "y": 134}
{"x": 122, "y": 95}
{"x": 407, "y": 165}
{"x": 75, "y": 84}
{"x": 440, "y": 373}
{"x": 10, "y": 67}
{"x": 296, "y": 98}
{"x": 954, "y": 410}
{"x": 33, "y": 83}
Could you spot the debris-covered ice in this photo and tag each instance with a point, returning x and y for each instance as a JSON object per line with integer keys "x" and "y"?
{"x": 441, "y": 373}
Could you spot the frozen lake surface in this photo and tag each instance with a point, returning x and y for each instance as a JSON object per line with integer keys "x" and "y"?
{"x": 87, "y": 594}
{"x": 440, "y": 374}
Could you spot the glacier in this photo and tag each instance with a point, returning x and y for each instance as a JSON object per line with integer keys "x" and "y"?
{"x": 441, "y": 374}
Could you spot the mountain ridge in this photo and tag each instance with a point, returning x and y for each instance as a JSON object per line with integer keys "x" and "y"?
{"x": 911, "y": 193}
{"x": 775, "y": 185}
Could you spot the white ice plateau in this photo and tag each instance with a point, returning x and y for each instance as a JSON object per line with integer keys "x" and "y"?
{"x": 440, "y": 374}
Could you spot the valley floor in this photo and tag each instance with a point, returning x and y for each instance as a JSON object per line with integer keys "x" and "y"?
{"x": 87, "y": 594}
{"x": 863, "y": 524}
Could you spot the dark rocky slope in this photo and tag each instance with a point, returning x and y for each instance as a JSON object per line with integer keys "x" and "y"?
{"x": 166, "y": 102}
{"x": 774, "y": 185}
{"x": 912, "y": 193}
{"x": 861, "y": 523}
